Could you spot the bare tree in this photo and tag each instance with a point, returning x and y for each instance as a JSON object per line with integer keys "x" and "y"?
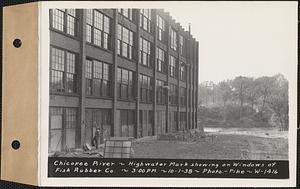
{"x": 264, "y": 86}
{"x": 225, "y": 92}
{"x": 278, "y": 101}
{"x": 241, "y": 86}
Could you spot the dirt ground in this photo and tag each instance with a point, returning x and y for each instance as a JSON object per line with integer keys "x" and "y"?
{"x": 216, "y": 143}
{"x": 221, "y": 144}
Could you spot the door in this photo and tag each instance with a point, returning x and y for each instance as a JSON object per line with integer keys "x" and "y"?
{"x": 70, "y": 127}
{"x": 56, "y": 129}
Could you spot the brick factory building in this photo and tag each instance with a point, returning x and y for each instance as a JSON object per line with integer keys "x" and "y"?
{"x": 129, "y": 72}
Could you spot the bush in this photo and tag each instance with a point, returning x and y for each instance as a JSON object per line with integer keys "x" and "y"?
{"x": 214, "y": 117}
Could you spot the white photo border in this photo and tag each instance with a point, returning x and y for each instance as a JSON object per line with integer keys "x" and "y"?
{"x": 44, "y": 180}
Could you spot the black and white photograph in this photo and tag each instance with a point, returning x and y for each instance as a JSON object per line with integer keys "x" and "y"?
{"x": 132, "y": 76}
{"x": 184, "y": 81}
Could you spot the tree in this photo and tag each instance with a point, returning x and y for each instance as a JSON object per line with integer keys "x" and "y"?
{"x": 252, "y": 95}
{"x": 264, "y": 87}
{"x": 241, "y": 86}
{"x": 205, "y": 92}
{"x": 278, "y": 101}
{"x": 225, "y": 91}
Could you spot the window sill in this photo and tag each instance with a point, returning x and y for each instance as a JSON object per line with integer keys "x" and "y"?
{"x": 173, "y": 77}
{"x": 147, "y": 102}
{"x": 124, "y": 17}
{"x": 98, "y": 47}
{"x": 162, "y": 104}
{"x": 124, "y": 57}
{"x": 145, "y": 66}
{"x": 149, "y": 32}
{"x": 162, "y": 41}
{"x": 99, "y": 97}
{"x": 162, "y": 72}
{"x": 125, "y": 100}
{"x": 65, "y": 34}
{"x": 65, "y": 94}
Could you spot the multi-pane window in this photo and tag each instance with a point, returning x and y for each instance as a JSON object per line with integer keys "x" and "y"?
{"x": 182, "y": 123}
{"x": 182, "y": 96}
{"x": 127, "y": 123}
{"x": 160, "y": 92}
{"x": 160, "y": 28}
{"x": 63, "y": 71}
{"x": 173, "y": 39}
{"x": 144, "y": 52}
{"x": 98, "y": 28}
{"x": 127, "y": 13}
{"x": 172, "y": 66}
{"x": 98, "y": 118}
{"x": 62, "y": 128}
{"x": 181, "y": 45}
{"x": 145, "y": 88}
{"x": 173, "y": 121}
{"x": 64, "y": 20}
{"x": 71, "y": 17}
{"x": 146, "y": 123}
{"x": 125, "y": 84}
{"x": 182, "y": 71}
{"x": 97, "y": 76}
{"x": 145, "y": 19}
{"x": 173, "y": 94}
{"x": 160, "y": 60}
{"x": 125, "y": 42}
{"x": 160, "y": 122}
{"x": 71, "y": 122}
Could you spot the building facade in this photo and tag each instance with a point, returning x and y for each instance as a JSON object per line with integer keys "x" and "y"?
{"x": 129, "y": 72}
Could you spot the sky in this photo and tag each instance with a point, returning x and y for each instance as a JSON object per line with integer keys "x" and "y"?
{"x": 241, "y": 38}
{"x": 246, "y": 38}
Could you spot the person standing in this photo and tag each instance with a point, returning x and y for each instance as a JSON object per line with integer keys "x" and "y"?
{"x": 95, "y": 140}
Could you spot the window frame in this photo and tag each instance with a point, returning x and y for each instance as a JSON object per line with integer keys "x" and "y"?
{"x": 146, "y": 53}
{"x": 105, "y": 93}
{"x": 161, "y": 96}
{"x": 129, "y": 11}
{"x": 161, "y": 28}
{"x": 64, "y": 114}
{"x": 122, "y": 85}
{"x": 173, "y": 94}
{"x": 130, "y": 116}
{"x": 65, "y": 17}
{"x": 183, "y": 72}
{"x": 173, "y": 39}
{"x": 181, "y": 45}
{"x": 145, "y": 88}
{"x": 65, "y": 73}
{"x": 121, "y": 42}
{"x": 105, "y": 36}
{"x": 160, "y": 60}
{"x": 145, "y": 18}
{"x": 173, "y": 67}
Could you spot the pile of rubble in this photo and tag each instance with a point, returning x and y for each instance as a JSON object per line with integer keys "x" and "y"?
{"x": 85, "y": 151}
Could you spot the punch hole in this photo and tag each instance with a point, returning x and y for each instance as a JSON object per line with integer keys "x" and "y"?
{"x": 15, "y": 144}
{"x": 17, "y": 43}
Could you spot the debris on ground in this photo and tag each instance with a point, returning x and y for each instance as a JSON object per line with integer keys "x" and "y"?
{"x": 85, "y": 151}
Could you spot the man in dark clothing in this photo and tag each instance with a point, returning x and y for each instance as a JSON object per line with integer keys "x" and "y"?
{"x": 96, "y": 138}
